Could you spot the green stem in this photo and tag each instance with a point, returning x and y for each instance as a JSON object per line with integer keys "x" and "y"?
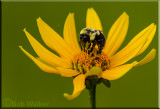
{"x": 92, "y": 93}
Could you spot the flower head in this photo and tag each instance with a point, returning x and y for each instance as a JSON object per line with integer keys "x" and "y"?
{"x": 74, "y": 62}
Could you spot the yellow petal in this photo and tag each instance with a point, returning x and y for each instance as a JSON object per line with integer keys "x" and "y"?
{"x": 79, "y": 85}
{"x": 67, "y": 72}
{"x": 43, "y": 61}
{"x": 150, "y": 37}
{"x": 149, "y": 33}
{"x": 69, "y": 33}
{"x": 54, "y": 40}
{"x": 40, "y": 64}
{"x": 127, "y": 53}
{"x": 45, "y": 54}
{"x": 149, "y": 57}
{"x": 92, "y": 20}
{"x": 117, "y": 72}
{"x": 116, "y": 35}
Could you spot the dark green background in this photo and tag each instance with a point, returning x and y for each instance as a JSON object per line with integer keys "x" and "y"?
{"x": 23, "y": 81}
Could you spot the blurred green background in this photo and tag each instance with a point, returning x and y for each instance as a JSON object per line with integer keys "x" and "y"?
{"x": 23, "y": 81}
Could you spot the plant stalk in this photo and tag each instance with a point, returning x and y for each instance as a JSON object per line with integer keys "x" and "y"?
{"x": 92, "y": 93}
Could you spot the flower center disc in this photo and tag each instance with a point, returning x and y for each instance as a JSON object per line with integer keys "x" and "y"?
{"x": 84, "y": 62}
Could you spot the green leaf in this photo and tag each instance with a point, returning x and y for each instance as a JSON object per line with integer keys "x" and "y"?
{"x": 106, "y": 83}
{"x": 99, "y": 80}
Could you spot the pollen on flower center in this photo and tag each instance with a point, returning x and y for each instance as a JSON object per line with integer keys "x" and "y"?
{"x": 84, "y": 62}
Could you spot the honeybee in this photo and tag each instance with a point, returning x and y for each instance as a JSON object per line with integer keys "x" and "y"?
{"x": 93, "y": 37}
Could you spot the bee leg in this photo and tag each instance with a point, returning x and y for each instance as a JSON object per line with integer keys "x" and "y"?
{"x": 80, "y": 43}
{"x": 89, "y": 47}
{"x": 84, "y": 46}
{"x": 100, "y": 46}
{"x": 94, "y": 43}
{"x": 99, "y": 49}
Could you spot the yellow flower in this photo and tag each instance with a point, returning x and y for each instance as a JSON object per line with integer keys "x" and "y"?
{"x": 72, "y": 62}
